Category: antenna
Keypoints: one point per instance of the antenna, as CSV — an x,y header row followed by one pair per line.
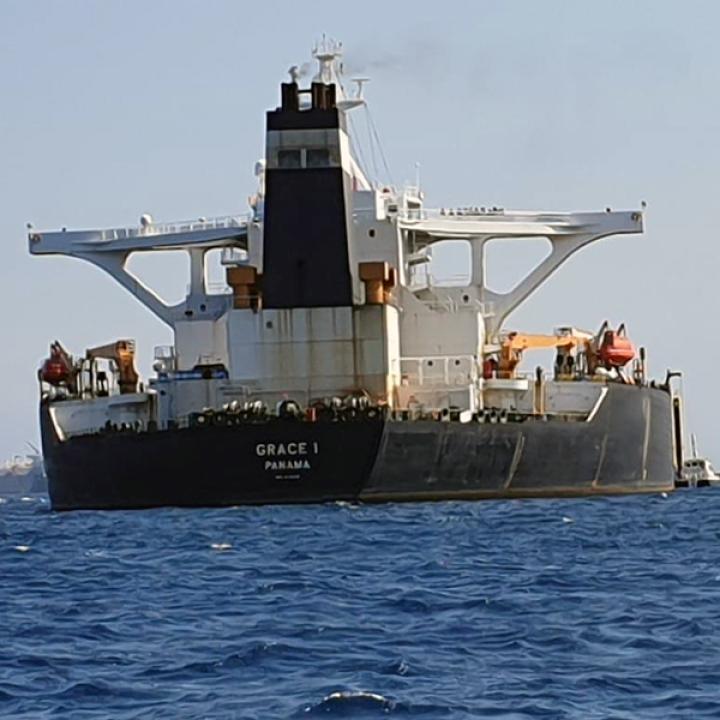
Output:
x,y
360,84
327,53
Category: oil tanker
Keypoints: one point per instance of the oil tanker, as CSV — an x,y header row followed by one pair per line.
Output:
x,y
332,365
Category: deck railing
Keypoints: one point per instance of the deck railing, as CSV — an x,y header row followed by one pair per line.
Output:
x,y
173,228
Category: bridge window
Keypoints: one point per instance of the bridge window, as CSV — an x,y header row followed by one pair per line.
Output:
x,y
289,159
317,157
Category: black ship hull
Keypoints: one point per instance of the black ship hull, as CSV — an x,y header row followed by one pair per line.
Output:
x,y
625,448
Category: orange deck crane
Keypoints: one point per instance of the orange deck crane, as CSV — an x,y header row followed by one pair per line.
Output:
x,y
515,344
122,353
609,349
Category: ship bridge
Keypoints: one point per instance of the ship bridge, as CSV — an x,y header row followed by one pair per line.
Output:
x,y
566,232
110,249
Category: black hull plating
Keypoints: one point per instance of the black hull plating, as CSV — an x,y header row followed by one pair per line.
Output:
x,y
626,448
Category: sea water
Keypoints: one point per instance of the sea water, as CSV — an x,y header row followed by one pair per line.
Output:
x,y
602,608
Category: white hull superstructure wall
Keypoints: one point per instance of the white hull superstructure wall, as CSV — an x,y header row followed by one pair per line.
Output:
x,y
200,342
87,416
439,327
307,354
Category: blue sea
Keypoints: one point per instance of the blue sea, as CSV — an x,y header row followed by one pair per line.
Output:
x,y
603,608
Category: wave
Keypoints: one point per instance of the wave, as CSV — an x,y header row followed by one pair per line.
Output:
x,y
450,610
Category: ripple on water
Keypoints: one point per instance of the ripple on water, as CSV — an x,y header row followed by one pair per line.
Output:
x,y
557,609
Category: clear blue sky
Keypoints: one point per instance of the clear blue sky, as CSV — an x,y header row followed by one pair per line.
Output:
x,y
114,108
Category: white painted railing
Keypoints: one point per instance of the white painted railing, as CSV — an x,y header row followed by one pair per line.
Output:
x,y
174,228
469,213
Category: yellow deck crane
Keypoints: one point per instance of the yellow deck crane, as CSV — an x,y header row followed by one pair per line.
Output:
x,y
514,344
578,352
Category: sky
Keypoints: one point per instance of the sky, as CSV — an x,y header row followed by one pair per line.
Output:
x,y
114,108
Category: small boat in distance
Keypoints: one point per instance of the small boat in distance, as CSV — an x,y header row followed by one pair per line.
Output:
x,y
698,471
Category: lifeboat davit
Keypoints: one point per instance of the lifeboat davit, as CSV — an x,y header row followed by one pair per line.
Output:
x,y
616,350
57,368
54,372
